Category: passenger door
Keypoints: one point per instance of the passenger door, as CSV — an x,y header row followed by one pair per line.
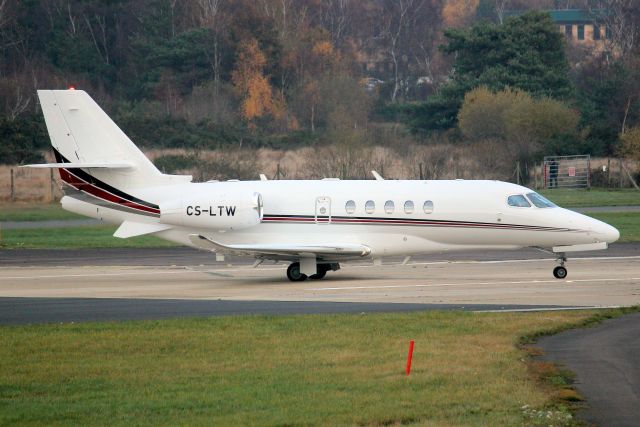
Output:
x,y
323,210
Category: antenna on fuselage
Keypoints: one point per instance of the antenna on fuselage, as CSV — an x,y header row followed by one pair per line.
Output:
x,y
263,177
377,176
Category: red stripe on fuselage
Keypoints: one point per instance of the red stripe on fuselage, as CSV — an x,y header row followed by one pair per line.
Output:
x,y
91,189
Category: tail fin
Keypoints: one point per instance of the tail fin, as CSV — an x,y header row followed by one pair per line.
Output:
x,y
82,133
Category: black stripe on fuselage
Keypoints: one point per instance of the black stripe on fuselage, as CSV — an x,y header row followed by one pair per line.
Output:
x,y
100,184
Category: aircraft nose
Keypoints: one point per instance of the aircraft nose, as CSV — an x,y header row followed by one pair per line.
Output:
x,y
608,233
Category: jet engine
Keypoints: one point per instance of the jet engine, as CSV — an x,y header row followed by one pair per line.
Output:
x,y
218,211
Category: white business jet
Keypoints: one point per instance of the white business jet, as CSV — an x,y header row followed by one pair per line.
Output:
x,y
314,225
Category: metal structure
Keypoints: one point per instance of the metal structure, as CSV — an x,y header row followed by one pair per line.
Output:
x,y
567,171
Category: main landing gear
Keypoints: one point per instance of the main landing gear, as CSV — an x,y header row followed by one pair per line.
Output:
x,y
295,275
560,272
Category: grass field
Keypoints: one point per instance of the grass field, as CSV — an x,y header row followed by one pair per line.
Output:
x,y
593,197
468,369
628,223
34,212
100,236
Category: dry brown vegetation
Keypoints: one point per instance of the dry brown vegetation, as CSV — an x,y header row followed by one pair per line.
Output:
x,y
481,160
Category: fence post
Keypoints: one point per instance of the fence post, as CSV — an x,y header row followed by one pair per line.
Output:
x,y
620,168
51,189
518,173
608,172
13,187
278,171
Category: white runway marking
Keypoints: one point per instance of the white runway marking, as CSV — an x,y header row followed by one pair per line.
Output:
x,y
436,285
570,307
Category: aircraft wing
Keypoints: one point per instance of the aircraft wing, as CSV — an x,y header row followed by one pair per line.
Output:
x,y
281,249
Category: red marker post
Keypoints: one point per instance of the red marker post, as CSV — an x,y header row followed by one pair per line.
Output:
x,y
409,357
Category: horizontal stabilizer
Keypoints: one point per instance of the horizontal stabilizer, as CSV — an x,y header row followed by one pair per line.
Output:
x,y
581,248
131,229
85,165
281,249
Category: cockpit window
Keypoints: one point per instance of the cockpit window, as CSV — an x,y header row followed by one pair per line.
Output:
x,y
539,201
519,201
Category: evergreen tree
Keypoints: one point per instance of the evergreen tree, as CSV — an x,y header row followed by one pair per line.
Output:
x,y
527,52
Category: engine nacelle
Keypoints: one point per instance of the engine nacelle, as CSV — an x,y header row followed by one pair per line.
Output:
x,y
212,210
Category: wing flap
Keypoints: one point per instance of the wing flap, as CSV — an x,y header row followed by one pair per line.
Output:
x,y
281,249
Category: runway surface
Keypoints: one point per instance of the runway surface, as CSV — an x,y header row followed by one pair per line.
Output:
x,y
496,279
606,363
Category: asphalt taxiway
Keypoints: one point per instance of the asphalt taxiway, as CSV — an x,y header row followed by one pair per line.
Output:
x,y
489,280
605,361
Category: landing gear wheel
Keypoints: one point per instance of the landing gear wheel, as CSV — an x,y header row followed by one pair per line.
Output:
x,y
294,274
559,272
322,271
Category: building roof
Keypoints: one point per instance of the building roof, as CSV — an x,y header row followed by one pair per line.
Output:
x,y
566,16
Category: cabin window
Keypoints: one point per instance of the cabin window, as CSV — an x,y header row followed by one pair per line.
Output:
x,y
370,206
350,207
389,206
580,32
539,201
518,201
427,207
408,207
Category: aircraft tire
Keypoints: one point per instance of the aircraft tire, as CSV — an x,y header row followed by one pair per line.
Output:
x,y
294,274
320,274
559,272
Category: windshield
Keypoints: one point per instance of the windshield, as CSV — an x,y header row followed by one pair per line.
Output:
x,y
518,200
539,201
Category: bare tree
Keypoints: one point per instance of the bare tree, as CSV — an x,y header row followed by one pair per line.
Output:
x,y
622,19
500,8
396,15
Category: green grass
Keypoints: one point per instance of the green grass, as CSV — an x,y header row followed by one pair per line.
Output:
x,y
468,369
628,223
100,236
593,197
35,212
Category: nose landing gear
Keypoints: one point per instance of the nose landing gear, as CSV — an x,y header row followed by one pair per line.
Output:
x,y
560,272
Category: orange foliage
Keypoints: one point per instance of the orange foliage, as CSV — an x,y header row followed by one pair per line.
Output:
x,y
457,13
252,85
324,48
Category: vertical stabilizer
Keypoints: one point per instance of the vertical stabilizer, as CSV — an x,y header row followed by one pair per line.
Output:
x,y
81,132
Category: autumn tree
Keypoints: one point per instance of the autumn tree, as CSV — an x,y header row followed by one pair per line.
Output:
x,y
630,144
252,85
527,126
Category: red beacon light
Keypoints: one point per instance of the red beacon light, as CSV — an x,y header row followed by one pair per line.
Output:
x,y
72,88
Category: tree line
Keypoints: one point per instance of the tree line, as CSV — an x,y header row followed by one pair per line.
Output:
x,y
206,74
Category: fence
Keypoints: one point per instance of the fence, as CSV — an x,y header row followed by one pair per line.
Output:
x,y
29,185
567,171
